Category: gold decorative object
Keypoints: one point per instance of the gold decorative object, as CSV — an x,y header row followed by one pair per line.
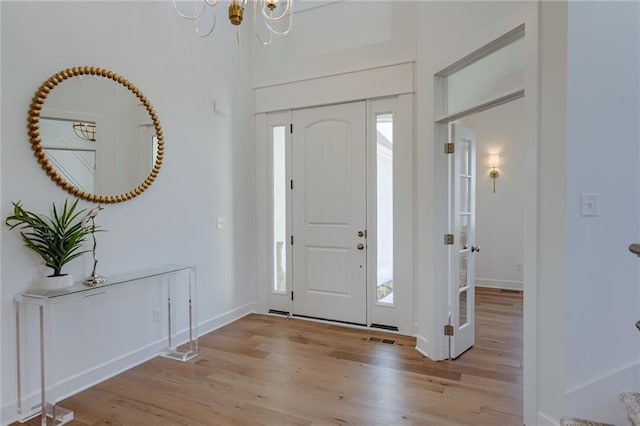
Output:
x,y
270,17
494,162
33,125
85,131
235,13
94,279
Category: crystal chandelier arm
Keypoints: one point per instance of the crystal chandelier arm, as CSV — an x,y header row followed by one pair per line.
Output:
x,y
213,24
263,41
266,41
265,14
196,16
277,32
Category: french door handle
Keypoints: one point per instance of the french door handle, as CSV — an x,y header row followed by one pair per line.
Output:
x,y
474,249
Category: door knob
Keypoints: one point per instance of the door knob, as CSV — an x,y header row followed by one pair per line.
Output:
x,y
360,233
474,249
360,246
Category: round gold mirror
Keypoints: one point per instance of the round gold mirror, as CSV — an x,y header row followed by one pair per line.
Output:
x,y
96,135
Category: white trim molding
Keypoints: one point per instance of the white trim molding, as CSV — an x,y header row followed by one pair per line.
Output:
x,y
423,346
333,89
545,419
501,284
597,399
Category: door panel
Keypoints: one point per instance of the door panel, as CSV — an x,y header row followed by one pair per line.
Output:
x,y
327,173
462,221
325,268
329,199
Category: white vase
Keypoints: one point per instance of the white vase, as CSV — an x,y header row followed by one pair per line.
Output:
x,y
56,282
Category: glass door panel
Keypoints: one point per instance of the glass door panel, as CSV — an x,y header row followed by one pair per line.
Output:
x,y
279,210
384,197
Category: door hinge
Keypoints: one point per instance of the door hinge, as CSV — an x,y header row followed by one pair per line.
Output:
x,y
292,240
291,183
448,329
449,148
448,239
291,128
292,295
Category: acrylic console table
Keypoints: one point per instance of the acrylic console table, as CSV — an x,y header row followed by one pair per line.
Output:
x,y
45,301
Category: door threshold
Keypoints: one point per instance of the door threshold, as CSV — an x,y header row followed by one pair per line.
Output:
x,y
355,324
379,327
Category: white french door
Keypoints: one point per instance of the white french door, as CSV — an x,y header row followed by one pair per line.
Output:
x,y
462,207
329,212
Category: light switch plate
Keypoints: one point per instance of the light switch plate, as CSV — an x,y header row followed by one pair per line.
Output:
x,y
589,204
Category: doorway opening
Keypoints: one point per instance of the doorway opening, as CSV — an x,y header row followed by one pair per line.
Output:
x,y
492,77
488,78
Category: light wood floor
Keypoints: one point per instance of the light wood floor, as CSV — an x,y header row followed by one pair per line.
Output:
x,y
266,370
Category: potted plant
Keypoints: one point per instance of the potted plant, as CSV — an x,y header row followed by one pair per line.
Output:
x,y
57,240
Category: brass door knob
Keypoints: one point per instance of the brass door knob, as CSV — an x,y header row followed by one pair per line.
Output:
x,y
360,246
474,249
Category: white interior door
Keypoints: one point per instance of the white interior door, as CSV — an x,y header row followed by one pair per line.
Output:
x,y
462,207
329,212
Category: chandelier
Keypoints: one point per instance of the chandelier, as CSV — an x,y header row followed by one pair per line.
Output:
x,y
85,131
270,17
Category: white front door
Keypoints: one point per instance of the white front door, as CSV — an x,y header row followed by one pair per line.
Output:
x,y
329,212
462,207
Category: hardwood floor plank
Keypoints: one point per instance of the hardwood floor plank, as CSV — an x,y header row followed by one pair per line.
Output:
x,y
398,365
269,370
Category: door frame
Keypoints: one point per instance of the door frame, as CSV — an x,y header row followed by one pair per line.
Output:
x,y
480,46
373,84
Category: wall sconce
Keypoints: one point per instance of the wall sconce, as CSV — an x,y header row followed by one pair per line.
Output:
x,y
494,162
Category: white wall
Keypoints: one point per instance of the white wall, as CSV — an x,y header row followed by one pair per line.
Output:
x,y
208,171
338,37
603,148
499,215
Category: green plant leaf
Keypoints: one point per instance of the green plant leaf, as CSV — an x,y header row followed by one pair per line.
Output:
x,y
56,239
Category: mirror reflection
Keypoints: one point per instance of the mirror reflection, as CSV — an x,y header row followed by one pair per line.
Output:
x,y
96,135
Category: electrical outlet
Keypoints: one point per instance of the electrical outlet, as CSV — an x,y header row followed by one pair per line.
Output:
x,y
220,223
156,314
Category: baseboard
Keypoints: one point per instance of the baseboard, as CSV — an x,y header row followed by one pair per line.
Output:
x,y
503,284
423,346
228,317
598,400
547,420
97,374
